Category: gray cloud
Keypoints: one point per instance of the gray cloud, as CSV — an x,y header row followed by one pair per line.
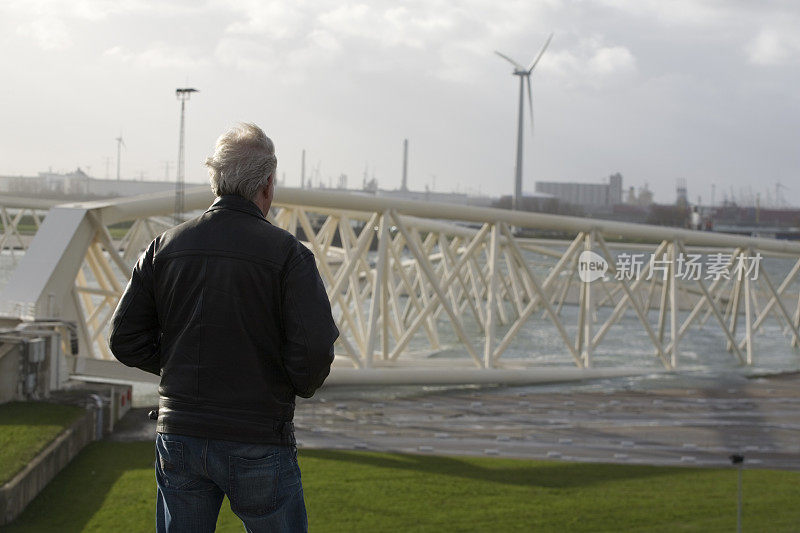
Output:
x,y
655,90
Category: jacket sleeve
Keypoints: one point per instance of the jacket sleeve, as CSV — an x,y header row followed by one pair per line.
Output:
x,y
308,325
135,330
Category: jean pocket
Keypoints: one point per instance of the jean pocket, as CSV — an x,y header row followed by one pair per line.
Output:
x,y
170,464
253,484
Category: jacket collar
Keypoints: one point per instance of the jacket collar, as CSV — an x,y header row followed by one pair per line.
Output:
x,y
237,203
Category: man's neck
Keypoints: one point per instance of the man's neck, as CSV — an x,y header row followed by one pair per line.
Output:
x,y
263,206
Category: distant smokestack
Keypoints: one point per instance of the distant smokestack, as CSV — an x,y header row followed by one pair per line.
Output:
x,y
303,170
404,186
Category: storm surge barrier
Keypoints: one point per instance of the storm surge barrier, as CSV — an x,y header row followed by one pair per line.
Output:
x,y
19,218
430,291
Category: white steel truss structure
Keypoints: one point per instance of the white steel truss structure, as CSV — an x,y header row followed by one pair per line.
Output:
x,y
15,212
443,287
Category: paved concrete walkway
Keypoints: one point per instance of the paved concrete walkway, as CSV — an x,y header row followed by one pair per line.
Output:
x,y
703,425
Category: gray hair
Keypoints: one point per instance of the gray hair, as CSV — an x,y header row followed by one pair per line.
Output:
x,y
243,161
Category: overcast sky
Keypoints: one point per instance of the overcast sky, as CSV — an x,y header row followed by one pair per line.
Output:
x,y
701,90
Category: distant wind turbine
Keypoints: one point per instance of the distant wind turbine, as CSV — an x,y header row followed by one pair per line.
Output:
x,y
524,77
120,144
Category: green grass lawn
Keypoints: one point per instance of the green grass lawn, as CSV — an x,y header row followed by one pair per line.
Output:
x,y
26,428
111,487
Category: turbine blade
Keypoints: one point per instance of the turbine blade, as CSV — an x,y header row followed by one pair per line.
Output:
x,y
541,53
516,65
530,100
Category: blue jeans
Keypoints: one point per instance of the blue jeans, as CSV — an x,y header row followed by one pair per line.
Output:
x,y
262,482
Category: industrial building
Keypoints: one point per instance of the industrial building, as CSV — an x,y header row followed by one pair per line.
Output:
x,y
593,197
78,184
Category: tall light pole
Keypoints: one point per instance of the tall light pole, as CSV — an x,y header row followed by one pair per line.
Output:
x,y
183,95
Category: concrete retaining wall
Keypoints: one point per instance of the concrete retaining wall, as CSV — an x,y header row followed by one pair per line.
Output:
x,y
26,485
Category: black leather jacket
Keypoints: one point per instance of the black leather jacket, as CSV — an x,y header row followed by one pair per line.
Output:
x,y
232,313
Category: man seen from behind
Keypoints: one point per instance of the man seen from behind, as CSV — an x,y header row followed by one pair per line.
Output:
x,y
231,312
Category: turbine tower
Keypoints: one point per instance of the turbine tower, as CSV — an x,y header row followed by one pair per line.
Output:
x,y
120,144
524,77
183,95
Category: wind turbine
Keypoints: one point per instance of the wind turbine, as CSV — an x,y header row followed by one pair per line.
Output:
x,y
524,77
120,144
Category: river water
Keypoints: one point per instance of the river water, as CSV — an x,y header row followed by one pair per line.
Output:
x,y
703,357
